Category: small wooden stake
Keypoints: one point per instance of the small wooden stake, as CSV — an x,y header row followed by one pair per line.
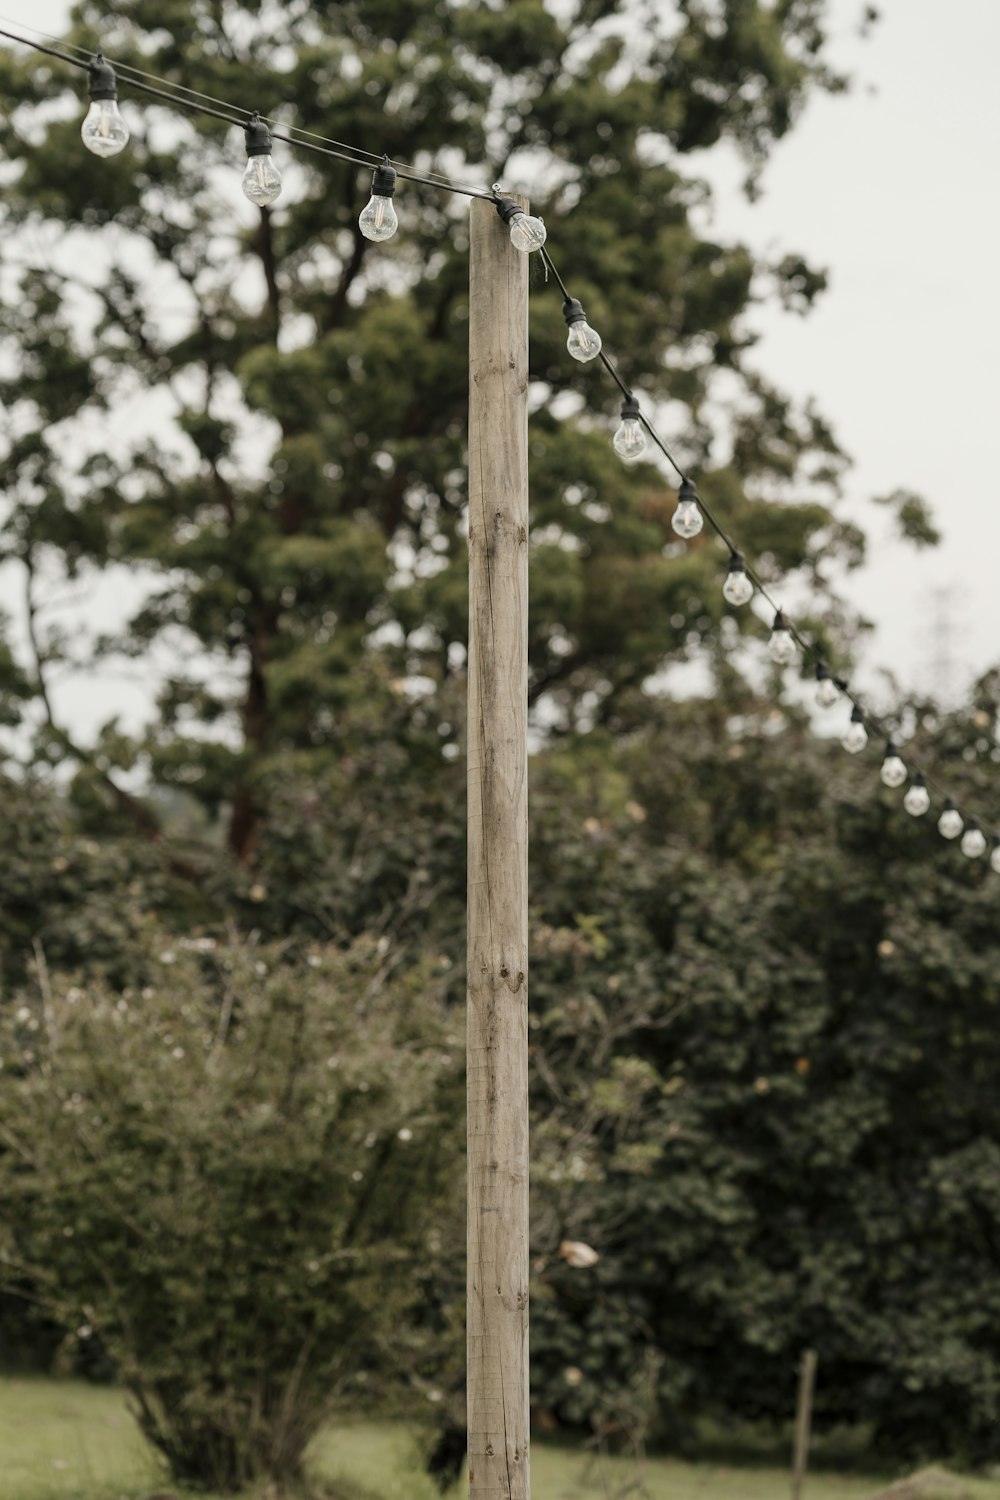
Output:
x,y
497,1045
803,1421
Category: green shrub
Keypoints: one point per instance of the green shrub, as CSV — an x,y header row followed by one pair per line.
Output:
x,y
233,1177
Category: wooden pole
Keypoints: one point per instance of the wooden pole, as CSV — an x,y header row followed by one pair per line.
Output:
x,y
497,1046
803,1421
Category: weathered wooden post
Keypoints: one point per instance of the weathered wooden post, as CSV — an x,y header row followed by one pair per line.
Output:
x,y
497,1046
803,1421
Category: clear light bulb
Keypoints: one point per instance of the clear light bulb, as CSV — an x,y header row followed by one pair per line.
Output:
x,y
104,131
261,179
995,855
526,232
378,219
781,646
856,737
737,588
827,691
893,770
687,519
629,442
583,342
973,840
918,798
950,821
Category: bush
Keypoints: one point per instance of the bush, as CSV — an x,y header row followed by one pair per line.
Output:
x,y
232,1178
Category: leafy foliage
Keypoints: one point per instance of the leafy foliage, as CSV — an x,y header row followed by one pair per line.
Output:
x,y
231,1177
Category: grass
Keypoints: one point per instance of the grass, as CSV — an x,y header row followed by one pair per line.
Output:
x,y
63,1440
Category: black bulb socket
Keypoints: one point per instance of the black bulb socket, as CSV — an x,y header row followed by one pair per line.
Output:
x,y
822,672
780,623
948,805
857,714
383,181
630,408
920,779
101,79
971,825
686,492
258,137
890,748
737,562
573,311
507,208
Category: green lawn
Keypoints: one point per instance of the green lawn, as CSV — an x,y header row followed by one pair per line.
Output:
x,y
62,1440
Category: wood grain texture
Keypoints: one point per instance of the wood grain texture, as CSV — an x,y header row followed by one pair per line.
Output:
x,y
497,1047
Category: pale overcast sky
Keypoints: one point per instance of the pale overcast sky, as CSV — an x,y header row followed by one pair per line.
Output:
x,y
893,189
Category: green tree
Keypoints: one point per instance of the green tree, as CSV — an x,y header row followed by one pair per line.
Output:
x,y
234,1178
294,493
763,1064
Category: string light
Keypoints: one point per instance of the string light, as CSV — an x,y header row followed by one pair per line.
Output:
x,y
583,342
526,232
973,840
856,737
687,519
950,821
893,770
781,646
737,588
104,131
261,180
629,442
918,798
378,220
827,691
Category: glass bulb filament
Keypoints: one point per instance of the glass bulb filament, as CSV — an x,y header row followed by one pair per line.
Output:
x,y
583,342
737,588
629,442
261,180
687,519
104,131
526,232
378,220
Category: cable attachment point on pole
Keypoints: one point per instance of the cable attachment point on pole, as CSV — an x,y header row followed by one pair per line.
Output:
x,y
526,232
